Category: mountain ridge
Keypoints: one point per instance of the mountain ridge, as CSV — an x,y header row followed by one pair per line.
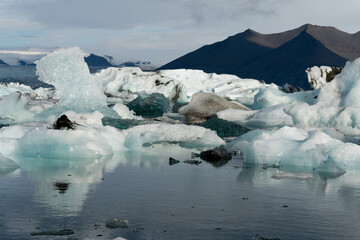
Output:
x,y
245,53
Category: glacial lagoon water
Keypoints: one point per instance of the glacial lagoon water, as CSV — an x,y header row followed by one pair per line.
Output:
x,y
180,201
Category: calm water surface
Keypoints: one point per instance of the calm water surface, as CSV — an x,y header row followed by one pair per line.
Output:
x,y
181,201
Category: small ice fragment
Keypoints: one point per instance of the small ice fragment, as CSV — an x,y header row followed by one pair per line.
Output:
x,y
298,176
116,223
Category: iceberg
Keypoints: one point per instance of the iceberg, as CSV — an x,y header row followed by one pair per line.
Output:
x,y
335,105
292,146
8,88
76,89
153,105
58,144
205,105
14,109
193,136
124,112
179,85
318,76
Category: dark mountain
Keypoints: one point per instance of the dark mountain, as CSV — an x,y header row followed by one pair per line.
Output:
x,y
2,62
279,58
287,63
97,61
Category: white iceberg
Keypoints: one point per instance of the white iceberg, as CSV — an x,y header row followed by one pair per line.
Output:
x,y
14,109
77,89
8,88
318,150
174,133
179,85
124,112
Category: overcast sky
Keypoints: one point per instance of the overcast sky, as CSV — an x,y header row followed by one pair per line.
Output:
x,y
158,30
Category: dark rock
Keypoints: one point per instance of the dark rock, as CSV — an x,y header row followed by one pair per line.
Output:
x,y
155,105
63,122
215,155
116,223
334,71
173,161
62,232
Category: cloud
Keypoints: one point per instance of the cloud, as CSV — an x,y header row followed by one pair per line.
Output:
x,y
107,14
158,30
114,14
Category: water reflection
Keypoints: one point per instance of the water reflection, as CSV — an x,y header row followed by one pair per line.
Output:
x,y
256,175
4,172
149,192
64,185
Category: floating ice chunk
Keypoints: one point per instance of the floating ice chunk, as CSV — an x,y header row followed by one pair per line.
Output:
x,y
14,109
115,138
180,84
288,175
135,80
319,76
296,147
116,223
44,93
8,88
82,143
38,106
267,97
178,133
205,105
153,105
264,118
9,139
124,112
77,89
